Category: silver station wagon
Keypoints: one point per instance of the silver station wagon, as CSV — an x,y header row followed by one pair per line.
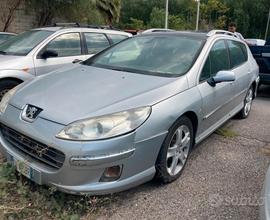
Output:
x,y
129,114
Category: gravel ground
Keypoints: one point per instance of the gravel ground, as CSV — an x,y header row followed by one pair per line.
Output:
x,y
222,180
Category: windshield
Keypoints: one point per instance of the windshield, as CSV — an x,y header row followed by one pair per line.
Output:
x,y
4,37
165,55
23,43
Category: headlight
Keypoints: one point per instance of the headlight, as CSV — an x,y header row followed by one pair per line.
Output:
x,y
106,126
6,98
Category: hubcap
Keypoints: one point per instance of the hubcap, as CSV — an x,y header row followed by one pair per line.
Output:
x,y
178,150
248,102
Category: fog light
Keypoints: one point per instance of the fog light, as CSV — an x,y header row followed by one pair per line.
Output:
x,y
111,174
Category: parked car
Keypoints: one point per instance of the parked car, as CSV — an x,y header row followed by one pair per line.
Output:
x,y
265,207
4,36
262,56
255,42
42,50
128,114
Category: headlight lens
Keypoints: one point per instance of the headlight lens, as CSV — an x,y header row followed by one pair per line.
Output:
x,y
106,126
6,98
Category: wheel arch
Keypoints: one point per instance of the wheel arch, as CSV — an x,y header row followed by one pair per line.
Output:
x,y
12,79
254,85
194,120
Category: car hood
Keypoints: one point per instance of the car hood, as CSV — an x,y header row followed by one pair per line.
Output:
x,y
83,91
8,62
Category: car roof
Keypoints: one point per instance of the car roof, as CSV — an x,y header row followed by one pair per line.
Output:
x,y
84,29
194,34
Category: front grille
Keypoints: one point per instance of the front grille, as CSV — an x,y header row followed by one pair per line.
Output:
x,y
36,150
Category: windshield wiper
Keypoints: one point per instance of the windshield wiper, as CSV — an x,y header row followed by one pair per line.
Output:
x,y
2,52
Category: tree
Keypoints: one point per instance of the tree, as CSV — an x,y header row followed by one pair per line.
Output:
x,y
110,9
8,14
47,9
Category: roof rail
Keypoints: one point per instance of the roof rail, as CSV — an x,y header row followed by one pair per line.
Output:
x,y
76,24
213,32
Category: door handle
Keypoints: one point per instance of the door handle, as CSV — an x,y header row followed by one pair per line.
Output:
x,y
76,61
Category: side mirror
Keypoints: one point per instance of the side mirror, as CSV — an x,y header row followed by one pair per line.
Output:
x,y
48,53
221,76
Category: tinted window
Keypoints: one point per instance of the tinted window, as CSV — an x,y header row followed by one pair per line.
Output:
x,y
238,53
116,38
96,42
217,60
156,55
66,45
23,43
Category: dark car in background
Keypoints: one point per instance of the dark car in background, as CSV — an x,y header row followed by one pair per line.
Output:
x,y
262,56
5,36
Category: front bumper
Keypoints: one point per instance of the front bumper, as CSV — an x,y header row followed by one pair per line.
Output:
x,y
85,162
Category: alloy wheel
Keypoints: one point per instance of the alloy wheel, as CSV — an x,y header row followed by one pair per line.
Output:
x,y
178,150
248,102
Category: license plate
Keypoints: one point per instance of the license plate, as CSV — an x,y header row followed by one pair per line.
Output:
x,y
24,169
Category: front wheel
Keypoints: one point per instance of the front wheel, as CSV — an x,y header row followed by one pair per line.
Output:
x,y
6,85
175,151
244,113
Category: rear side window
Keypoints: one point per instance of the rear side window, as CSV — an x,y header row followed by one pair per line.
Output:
x,y
96,42
238,53
66,45
115,38
217,60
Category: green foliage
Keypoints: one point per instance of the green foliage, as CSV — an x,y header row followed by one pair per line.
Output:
x,y
110,9
157,18
226,132
250,16
136,24
21,199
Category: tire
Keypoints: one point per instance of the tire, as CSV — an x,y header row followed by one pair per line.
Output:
x,y
172,157
244,113
6,85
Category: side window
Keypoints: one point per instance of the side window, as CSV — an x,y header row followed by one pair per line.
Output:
x,y
218,59
96,42
206,71
238,53
115,38
66,45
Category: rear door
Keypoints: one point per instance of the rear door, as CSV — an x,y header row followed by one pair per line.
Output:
x,y
241,68
217,101
95,42
68,48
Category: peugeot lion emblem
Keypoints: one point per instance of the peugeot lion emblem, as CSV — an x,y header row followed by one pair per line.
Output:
x,y
30,113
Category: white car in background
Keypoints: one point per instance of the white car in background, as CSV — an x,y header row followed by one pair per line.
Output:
x,y
255,42
42,50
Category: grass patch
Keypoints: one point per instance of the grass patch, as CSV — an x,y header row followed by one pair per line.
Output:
x,y
22,199
226,132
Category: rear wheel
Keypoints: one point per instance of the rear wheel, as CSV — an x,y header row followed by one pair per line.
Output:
x,y
244,113
6,85
175,151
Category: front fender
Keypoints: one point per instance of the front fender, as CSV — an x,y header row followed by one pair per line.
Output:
x,y
16,74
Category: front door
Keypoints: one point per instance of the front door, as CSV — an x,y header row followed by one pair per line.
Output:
x,y
68,49
217,101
